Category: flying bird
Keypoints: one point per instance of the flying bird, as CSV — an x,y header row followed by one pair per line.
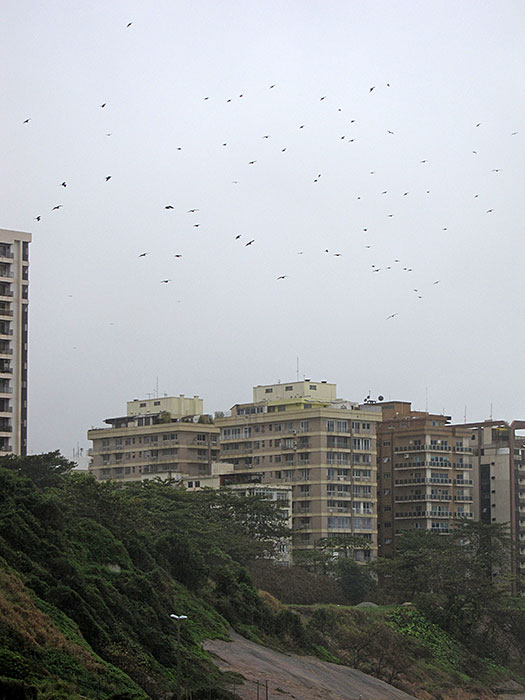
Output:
x,y
422,161
390,132
252,162
165,281
237,237
272,86
103,105
479,124
192,211
514,133
283,150
496,170
196,225
168,206
302,126
489,210
37,218
58,206
282,277
391,316
250,242
26,121
143,255
267,136
108,178
322,98
128,25
63,184
372,88
177,255
337,255
436,282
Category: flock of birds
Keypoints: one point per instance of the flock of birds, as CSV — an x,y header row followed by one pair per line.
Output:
x,y
239,237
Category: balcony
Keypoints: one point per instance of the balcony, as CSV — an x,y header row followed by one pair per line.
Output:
x,y
463,482
424,514
422,480
423,497
462,499
420,465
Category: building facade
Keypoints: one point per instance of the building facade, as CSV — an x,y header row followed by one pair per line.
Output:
x,y
499,457
300,434
14,299
424,473
154,442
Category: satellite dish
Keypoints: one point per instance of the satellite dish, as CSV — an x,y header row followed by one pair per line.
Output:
x,y
380,398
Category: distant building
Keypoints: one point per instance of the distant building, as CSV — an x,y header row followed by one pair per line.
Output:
x,y
300,434
160,439
424,472
499,457
14,299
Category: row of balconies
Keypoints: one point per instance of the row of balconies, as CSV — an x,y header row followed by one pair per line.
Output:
x,y
438,465
433,497
433,514
432,480
434,448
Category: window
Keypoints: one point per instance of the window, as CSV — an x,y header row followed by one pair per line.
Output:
x,y
197,484
281,408
143,405
156,403
342,426
313,387
268,391
330,426
303,426
288,388
386,443
190,484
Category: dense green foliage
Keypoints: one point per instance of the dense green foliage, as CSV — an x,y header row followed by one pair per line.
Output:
x,y
90,572
101,567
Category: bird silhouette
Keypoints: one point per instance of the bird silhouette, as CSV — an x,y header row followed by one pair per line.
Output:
x,y
372,88
37,218
192,211
391,316
58,206
271,87
436,282
322,98
103,105
143,255
489,210
165,281
128,25
168,206
282,277
496,170
26,121
252,162
63,184
250,242
196,225
108,178
267,136
177,255
238,236
390,132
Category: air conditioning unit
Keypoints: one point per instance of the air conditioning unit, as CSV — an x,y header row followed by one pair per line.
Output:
x,y
340,478
330,510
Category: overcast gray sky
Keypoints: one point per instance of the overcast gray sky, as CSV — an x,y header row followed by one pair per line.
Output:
x,y
102,325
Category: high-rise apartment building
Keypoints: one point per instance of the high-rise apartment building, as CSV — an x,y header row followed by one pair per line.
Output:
x,y
424,472
155,437
499,457
300,434
14,299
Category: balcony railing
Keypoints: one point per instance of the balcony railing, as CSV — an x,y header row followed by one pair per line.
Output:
x,y
422,480
423,497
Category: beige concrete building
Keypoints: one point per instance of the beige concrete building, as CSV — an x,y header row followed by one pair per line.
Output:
x,y
499,458
325,448
14,299
137,446
424,472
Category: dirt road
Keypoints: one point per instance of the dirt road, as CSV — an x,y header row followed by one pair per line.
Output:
x,y
295,677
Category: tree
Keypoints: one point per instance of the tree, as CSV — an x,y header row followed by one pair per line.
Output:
x,y
44,470
355,580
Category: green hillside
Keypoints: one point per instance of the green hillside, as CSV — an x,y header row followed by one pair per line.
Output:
x,y
90,573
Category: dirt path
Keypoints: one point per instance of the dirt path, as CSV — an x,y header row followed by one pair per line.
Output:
x,y
295,677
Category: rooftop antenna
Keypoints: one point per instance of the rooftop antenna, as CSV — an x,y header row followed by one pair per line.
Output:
x,y
426,399
491,410
465,414
297,368
157,388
